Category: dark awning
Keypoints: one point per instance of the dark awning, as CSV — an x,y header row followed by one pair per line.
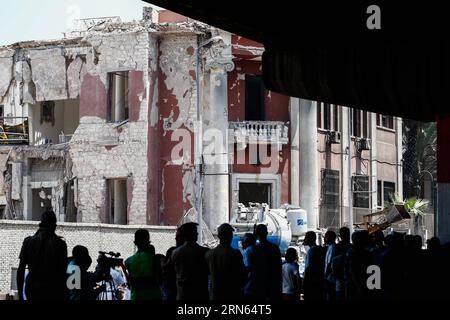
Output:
x,y
322,50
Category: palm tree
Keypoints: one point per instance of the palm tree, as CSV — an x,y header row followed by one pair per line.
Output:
x,y
419,155
417,208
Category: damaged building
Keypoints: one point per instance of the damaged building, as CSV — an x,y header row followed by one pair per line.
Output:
x,y
90,124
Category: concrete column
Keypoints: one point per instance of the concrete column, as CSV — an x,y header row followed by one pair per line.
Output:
x,y
373,162
120,201
27,192
442,221
399,144
308,164
295,150
119,97
345,179
28,112
215,151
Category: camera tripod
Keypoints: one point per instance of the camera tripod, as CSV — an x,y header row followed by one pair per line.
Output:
x,y
109,291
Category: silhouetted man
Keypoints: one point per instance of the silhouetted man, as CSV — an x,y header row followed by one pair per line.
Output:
x,y
226,267
264,266
358,259
81,259
338,262
330,253
168,270
190,266
313,284
45,254
144,269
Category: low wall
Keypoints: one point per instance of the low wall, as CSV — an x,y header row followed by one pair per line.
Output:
x,y
96,237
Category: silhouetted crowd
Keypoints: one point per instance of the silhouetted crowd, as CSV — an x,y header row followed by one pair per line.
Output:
x,y
348,267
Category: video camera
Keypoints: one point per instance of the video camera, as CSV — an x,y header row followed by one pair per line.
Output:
x,y
108,260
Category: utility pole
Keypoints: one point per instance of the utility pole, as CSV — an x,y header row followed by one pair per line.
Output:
x,y
349,159
198,151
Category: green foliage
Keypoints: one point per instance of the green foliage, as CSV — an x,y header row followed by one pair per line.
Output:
x,y
414,206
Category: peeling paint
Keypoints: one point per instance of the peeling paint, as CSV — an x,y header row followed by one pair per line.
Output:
x,y
175,64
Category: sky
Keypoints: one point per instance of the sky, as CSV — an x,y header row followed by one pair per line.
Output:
x,y
23,20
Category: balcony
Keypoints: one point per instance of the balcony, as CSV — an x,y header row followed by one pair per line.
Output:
x,y
14,130
259,132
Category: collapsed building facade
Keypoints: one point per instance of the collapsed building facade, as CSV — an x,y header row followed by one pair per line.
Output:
x,y
92,126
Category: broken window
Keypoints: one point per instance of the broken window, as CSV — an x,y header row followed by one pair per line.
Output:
x,y
48,112
118,96
254,192
41,202
254,98
116,201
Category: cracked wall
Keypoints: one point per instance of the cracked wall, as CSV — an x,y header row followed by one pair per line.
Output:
x,y
162,99
177,112
101,150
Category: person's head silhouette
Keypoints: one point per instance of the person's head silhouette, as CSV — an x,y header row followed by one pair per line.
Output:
x,y
261,232
189,232
142,238
80,255
48,221
225,234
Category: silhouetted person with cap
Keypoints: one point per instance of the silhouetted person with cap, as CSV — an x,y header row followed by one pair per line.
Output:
x,y
226,267
45,254
264,266
313,281
190,266
143,269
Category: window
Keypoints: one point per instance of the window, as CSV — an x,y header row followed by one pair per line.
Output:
x,y
329,208
254,98
388,189
384,190
118,96
379,194
48,112
359,123
116,201
256,188
361,193
385,121
327,116
254,192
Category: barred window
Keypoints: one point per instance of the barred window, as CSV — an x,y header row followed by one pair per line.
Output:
x,y
361,194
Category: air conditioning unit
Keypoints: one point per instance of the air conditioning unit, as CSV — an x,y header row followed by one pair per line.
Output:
x,y
333,137
363,144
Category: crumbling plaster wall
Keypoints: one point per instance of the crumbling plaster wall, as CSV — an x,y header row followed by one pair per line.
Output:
x,y
99,149
177,115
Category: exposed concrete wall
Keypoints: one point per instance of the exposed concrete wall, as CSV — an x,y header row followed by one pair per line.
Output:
x,y
101,151
6,72
96,237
